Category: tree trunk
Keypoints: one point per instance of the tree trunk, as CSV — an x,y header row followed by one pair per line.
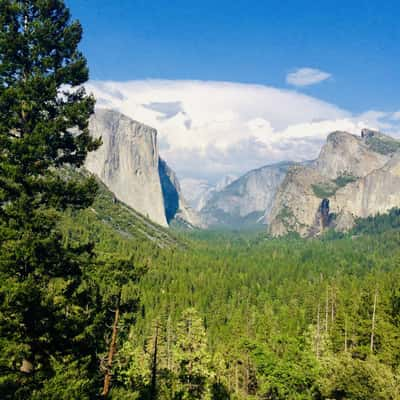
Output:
x,y
169,340
373,321
326,309
153,390
111,352
318,333
236,378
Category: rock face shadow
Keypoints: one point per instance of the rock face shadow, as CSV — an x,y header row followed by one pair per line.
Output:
x,y
169,191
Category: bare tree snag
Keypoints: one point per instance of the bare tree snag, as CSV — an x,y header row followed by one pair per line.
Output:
x,y
318,338
111,352
153,389
326,309
373,321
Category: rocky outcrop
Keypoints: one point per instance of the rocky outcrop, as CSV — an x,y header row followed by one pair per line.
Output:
x,y
295,205
354,176
247,200
128,164
346,154
377,192
176,207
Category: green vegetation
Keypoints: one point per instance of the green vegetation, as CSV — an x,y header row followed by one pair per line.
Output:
x,y
108,220
229,221
289,220
98,302
325,190
383,144
285,318
378,224
344,179
286,216
57,296
279,315
241,316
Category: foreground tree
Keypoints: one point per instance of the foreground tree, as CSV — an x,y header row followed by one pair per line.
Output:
x,y
116,279
43,126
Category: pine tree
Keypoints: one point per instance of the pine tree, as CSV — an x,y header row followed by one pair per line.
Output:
x,y
44,115
117,278
192,358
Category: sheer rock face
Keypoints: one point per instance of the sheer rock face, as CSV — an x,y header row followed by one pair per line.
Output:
x,y
358,175
176,207
246,200
377,192
128,164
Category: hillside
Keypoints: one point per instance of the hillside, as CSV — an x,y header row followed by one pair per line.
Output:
x,y
112,225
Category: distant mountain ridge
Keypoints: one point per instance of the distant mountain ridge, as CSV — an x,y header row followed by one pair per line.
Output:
x,y
199,191
353,177
247,200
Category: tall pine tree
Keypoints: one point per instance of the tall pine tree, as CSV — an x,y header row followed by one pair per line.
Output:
x,y
44,115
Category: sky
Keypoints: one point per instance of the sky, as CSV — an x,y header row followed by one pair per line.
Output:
x,y
233,85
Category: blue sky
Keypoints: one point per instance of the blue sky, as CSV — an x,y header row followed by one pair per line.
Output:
x,y
250,41
297,70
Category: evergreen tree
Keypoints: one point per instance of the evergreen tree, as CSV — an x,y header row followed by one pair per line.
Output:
x,y
192,358
116,278
44,115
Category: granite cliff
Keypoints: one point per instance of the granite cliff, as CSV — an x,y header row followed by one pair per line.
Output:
x,y
128,163
353,177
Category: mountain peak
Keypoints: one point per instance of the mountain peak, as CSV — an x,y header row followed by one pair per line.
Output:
x,y
358,175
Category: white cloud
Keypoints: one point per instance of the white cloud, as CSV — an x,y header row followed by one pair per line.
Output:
x,y
396,116
210,129
306,77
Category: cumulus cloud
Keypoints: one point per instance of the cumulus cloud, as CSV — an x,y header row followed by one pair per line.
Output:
x,y
210,129
306,77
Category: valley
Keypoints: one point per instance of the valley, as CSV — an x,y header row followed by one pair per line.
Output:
x,y
270,317
195,219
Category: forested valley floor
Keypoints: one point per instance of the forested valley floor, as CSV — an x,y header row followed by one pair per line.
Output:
x,y
244,316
